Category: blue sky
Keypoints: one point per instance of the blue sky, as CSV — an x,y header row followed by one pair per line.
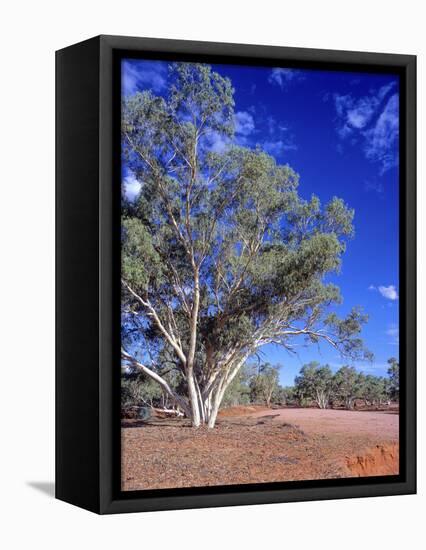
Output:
x,y
340,132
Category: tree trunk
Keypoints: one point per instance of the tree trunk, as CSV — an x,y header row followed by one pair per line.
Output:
x,y
204,409
203,412
223,384
322,400
193,400
197,406
213,412
349,403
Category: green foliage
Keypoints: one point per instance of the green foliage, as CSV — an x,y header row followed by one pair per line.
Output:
x,y
202,98
373,389
255,384
347,385
141,264
264,384
315,383
238,392
347,331
393,373
137,391
286,396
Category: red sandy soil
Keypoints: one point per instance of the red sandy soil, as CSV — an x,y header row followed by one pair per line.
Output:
x,y
325,421
241,410
381,460
255,446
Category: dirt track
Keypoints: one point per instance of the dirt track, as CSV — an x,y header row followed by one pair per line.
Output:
x,y
255,446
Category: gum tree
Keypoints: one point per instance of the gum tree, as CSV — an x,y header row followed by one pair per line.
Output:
x,y
220,254
374,389
315,382
348,384
264,383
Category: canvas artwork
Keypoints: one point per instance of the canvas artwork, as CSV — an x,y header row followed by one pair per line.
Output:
x,y
259,274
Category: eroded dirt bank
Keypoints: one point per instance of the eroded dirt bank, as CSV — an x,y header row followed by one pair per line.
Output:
x,y
380,460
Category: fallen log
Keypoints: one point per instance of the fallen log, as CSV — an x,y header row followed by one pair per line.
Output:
x,y
167,412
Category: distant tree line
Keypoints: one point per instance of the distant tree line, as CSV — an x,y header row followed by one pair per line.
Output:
x,y
315,386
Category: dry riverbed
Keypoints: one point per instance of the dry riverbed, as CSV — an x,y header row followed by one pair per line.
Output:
x,y
252,445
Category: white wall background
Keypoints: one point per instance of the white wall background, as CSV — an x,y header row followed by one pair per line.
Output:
x,y
30,33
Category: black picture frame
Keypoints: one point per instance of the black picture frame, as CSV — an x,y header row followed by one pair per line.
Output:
x,y
88,272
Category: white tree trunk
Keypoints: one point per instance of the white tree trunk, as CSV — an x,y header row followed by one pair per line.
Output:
x,y
223,384
322,399
205,411
193,400
216,400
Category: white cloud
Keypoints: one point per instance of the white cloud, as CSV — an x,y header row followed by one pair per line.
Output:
x,y
215,142
381,141
279,146
132,187
275,127
280,138
281,77
388,292
373,121
138,74
244,123
244,128
356,113
393,331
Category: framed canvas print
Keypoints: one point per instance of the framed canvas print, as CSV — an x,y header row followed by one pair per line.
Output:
x,y
235,274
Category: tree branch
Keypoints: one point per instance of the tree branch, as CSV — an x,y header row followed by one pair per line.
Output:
x,y
157,378
152,313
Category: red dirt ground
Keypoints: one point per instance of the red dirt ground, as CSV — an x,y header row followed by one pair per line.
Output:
x,y
255,446
320,421
241,410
